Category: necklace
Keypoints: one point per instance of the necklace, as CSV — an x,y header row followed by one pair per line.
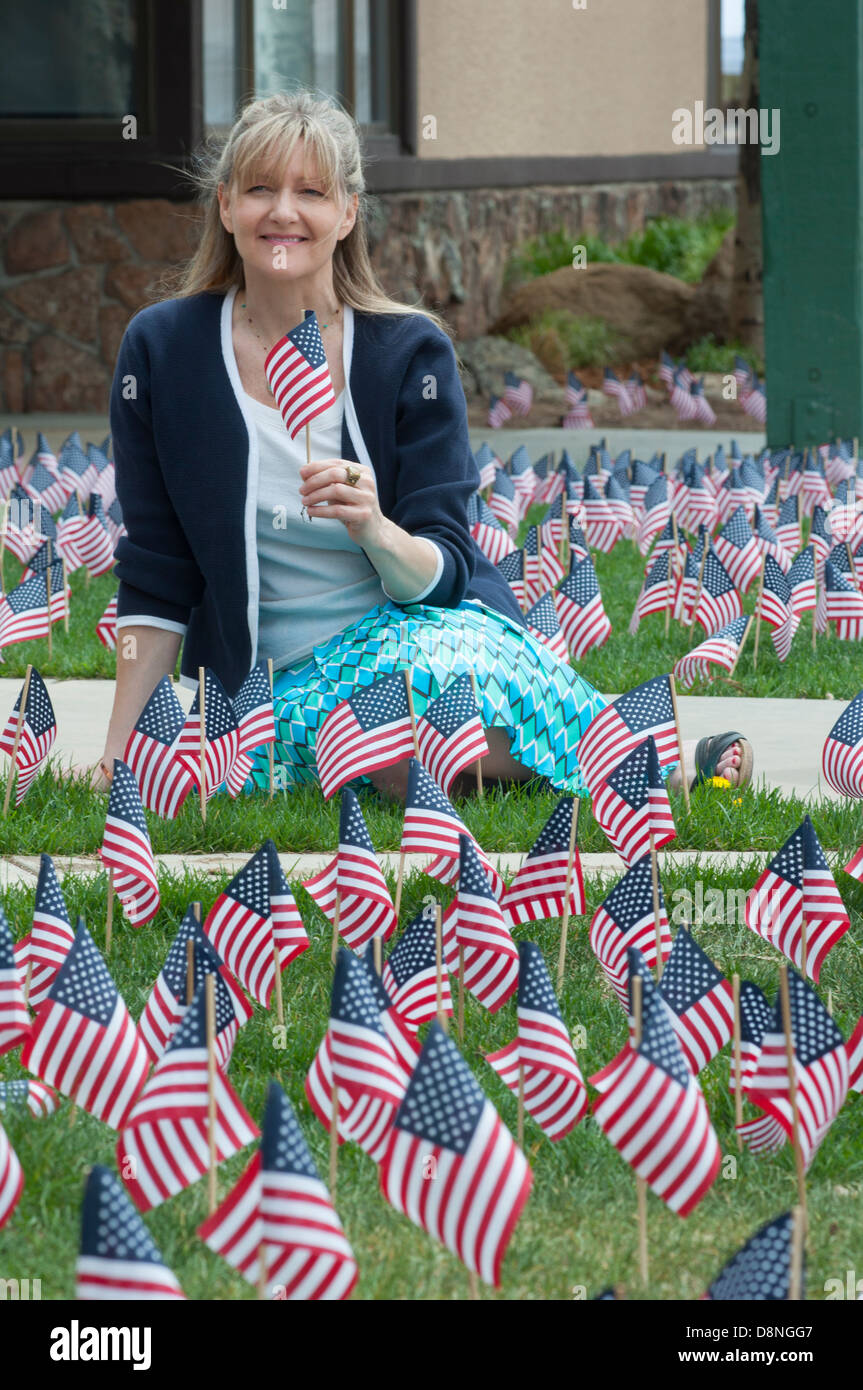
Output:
x,y
251,323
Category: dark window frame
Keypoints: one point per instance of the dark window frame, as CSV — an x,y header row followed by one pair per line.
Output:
x,y
41,157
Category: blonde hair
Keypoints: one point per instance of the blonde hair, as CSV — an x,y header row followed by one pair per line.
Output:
x,y
263,138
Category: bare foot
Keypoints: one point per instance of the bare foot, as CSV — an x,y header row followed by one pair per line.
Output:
x,y
727,766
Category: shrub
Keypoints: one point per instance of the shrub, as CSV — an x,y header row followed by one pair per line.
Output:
x,y
560,339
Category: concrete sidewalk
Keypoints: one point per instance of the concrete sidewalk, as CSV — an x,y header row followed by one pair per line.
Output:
x,y
787,735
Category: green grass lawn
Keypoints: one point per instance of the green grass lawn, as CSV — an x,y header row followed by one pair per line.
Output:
x,y
578,1228
65,817
623,662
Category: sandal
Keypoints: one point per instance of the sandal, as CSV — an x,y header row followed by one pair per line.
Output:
x,y
709,750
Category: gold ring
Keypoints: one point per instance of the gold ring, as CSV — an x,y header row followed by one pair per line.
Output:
x,y
352,474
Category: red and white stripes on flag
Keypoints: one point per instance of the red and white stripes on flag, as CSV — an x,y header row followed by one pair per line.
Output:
x,y
796,900
352,884
626,918
632,804
720,650
126,850
11,1178
473,924
539,888
369,731
106,628
446,1125
299,376
540,1061
164,1142
14,1016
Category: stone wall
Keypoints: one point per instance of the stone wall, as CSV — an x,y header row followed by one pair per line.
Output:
x,y
72,274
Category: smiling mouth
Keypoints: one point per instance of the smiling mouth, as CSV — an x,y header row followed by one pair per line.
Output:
x,y
284,240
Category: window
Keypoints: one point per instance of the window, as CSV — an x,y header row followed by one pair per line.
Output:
x,y
732,29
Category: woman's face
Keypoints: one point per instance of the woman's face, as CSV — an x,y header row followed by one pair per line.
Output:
x,y
289,230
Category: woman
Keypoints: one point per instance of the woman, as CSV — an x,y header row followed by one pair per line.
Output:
x,y
340,569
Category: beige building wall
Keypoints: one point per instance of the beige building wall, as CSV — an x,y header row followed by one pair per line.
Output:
x,y
539,77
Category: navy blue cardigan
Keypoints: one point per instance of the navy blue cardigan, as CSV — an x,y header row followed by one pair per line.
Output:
x,y
182,450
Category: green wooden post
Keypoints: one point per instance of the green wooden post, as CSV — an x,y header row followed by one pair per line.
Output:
x,y
811,61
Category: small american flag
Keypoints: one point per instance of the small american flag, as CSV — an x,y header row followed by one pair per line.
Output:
x,y
222,736
761,1269
433,826
357,1058
369,731
633,803
14,1016
614,387
93,542
699,999
410,974
787,527
854,1048
653,1111
719,650
498,413
45,487
253,706
280,1204
163,781
47,944
69,526
843,605
353,881
538,890
820,1064
106,628
487,463
583,619
24,612
602,526
739,550
776,608
402,1038
754,401
517,393
842,759
450,732
490,536
625,918
84,1042
502,501
704,411
39,1099
681,396
163,1144
821,536
167,1003
755,1017
542,568
719,602
617,497
797,887
483,1178
657,592
118,1258
553,1086
543,623
240,928
299,376
473,923
621,726
290,935
656,514
11,1178
126,850
77,471
768,542
38,732
511,568
801,581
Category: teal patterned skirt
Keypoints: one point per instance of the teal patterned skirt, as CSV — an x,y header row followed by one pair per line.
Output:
x,y
543,703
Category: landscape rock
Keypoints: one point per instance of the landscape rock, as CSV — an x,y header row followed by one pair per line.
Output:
x,y
487,359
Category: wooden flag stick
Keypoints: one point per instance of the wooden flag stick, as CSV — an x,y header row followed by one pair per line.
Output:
x,y
564,924
815,609
798,1242
203,721
22,710
698,589
803,950
337,912
473,1285
280,1002
271,747
829,1001
520,1130
657,919
442,1018
109,919
640,1183
29,976
409,694
683,777
758,607
334,1140
746,631
65,596
668,596
5,508
378,953
210,986
479,787
400,882
738,1061
792,1087
461,994
48,601
196,908
263,1279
